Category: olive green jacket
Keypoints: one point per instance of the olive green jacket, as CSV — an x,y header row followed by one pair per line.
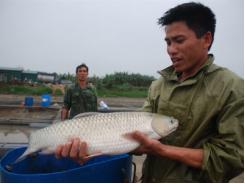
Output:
x,y
209,107
79,100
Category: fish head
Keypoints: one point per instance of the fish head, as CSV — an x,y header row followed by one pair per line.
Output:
x,y
164,125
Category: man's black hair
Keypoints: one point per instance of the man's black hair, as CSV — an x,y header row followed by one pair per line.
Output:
x,y
81,66
198,18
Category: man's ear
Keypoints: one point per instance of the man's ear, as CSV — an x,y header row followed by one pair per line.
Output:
x,y
207,39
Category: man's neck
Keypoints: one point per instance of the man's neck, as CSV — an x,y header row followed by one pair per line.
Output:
x,y
192,72
82,84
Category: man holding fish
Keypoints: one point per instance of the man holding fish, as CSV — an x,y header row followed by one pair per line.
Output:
x,y
206,99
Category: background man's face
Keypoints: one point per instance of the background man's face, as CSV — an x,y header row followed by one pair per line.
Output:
x,y
82,74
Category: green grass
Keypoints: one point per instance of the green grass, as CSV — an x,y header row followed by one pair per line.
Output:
x,y
25,90
132,93
58,92
118,91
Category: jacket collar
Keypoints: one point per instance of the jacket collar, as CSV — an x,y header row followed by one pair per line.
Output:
x,y
170,74
77,85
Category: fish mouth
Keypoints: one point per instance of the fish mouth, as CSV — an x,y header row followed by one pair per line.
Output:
x,y
171,130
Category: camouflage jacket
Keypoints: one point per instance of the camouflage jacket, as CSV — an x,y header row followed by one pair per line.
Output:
x,y
79,100
209,107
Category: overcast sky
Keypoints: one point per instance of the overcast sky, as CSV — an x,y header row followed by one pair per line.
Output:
x,y
108,35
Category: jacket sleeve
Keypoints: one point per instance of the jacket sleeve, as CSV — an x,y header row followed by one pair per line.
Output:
x,y
68,99
147,107
223,153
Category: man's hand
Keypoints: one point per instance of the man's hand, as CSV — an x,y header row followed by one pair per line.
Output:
x,y
147,145
190,156
64,113
75,149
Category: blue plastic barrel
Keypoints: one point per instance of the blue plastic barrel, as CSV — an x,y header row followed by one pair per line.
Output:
x,y
46,168
46,100
28,101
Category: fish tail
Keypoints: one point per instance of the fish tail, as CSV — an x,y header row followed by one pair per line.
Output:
x,y
9,167
23,156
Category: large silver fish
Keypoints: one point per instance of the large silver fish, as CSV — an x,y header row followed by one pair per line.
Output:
x,y
103,132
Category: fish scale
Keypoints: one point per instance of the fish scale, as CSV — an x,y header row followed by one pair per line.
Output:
x,y
103,132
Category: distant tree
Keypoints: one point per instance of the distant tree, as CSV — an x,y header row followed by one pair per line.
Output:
x,y
95,80
119,78
116,80
67,76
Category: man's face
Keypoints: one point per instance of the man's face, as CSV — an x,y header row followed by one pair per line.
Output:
x,y
186,51
82,74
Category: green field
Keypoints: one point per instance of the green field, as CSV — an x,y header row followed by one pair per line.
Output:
x,y
131,93
24,89
123,91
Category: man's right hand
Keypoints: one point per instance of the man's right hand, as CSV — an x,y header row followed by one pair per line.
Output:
x,y
64,114
147,145
75,149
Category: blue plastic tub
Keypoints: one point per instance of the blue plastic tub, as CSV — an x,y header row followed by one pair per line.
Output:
x,y
46,168
28,101
46,100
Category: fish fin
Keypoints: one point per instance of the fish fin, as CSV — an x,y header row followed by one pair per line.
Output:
x,y
95,155
82,115
26,133
47,151
9,167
